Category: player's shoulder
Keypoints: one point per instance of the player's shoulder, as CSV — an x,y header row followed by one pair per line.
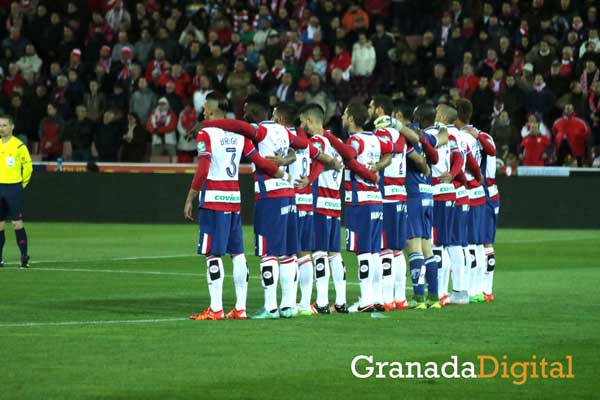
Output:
x,y
18,143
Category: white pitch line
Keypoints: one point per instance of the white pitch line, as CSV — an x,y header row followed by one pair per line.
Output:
x,y
66,323
120,271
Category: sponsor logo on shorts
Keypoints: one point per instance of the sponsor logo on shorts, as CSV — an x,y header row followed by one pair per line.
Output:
x,y
214,269
227,198
364,268
320,267
267,275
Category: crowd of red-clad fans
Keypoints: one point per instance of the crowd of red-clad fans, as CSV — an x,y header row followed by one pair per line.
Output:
x,y
126,80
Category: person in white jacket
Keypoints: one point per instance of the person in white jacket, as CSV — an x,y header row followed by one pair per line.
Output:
x,y
363,57
30,61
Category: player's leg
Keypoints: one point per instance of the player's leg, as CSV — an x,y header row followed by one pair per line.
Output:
x,y
14,201
399,262
389,239
416,261
2,240
358,233
212,243
431,274
270,243
240,268
375,234
305,278
337,266
322,274
457,255
491,219
440,238
288,269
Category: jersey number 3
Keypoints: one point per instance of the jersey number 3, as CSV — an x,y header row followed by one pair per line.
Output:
x,y
232,169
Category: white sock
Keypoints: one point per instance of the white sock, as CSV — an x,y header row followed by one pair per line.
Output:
x,y
214,276
305,276
322,273
467,270
481,267
338,271
387,261
457,262
488,277
240,280
439,258
287,272
365,277
473,270
446,270
377,289
269,271
399,264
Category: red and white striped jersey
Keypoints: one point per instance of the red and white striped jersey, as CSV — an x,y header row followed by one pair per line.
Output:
x,y
368,147
475,190
392,183
301,167
462,196
272,138
444,191
221,190
488,169
328,200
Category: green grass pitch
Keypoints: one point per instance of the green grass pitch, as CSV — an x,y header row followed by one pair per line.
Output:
x,y
102,315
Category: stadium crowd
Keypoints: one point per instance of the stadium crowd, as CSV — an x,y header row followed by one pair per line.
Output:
x,y
126,80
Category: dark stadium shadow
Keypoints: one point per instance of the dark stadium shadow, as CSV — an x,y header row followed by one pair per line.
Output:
x,y
130,306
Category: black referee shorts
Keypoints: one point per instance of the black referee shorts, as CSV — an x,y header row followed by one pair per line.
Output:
x,y
11,201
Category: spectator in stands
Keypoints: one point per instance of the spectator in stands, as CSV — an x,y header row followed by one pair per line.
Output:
x,y
22,118
355,18
483,97
570,135
108,137
363,57
590,75
540,100
535,120
79,133
186,127
143,101
534,148
467,83
133,148
51,134
162,125
502,134
285,90
30,62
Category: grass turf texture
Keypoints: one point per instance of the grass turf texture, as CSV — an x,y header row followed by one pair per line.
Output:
x,y
547,303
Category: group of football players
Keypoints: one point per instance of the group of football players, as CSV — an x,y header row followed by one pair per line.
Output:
x,y
425,189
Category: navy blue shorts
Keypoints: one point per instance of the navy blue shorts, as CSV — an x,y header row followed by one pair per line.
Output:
x,y
442,222
363,228
275,227
327,233
474,224
490,220
220,232
395,221
420,216
458,233
306,231
11,201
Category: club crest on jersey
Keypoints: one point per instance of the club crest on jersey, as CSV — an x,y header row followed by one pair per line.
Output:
x,y
355,145
318,145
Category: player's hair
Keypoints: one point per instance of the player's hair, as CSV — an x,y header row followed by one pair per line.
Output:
x,y
314,111
464,109
424,115
359,112
8,117
449,112
256,109
385,102
218,100
287,113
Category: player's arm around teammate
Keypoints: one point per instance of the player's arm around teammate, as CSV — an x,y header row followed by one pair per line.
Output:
x,y
15,173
